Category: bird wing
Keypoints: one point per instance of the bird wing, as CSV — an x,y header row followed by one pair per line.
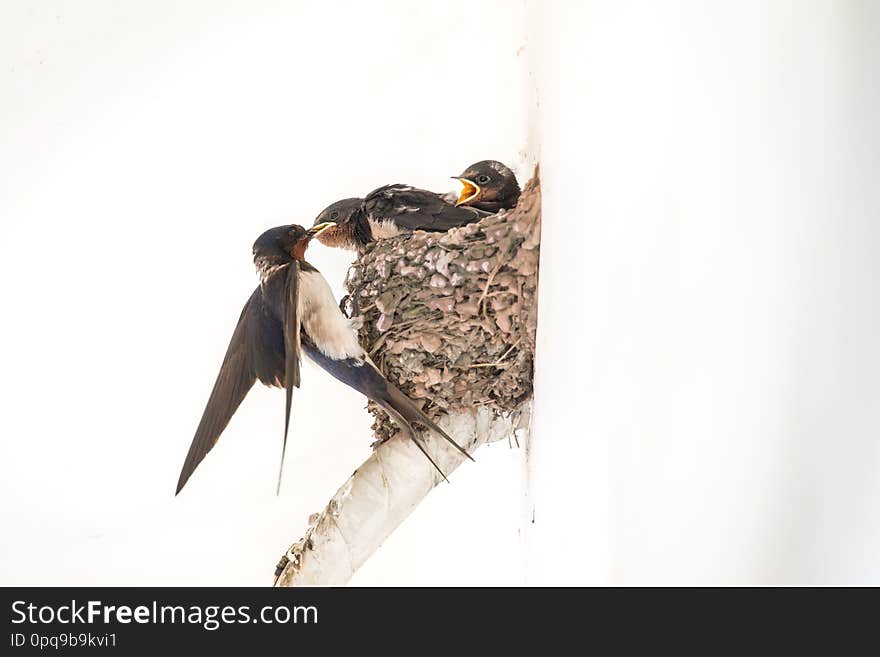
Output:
x,y
417,209
256,351
291,349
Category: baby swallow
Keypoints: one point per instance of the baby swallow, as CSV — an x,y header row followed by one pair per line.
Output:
x,y
489,186
389,211
293,310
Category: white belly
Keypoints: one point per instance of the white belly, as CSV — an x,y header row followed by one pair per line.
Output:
x,y
382,230
322,320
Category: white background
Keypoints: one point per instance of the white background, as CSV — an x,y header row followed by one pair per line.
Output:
x,y
707,388
144,147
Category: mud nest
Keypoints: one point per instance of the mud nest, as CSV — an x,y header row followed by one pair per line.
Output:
x,y
450,317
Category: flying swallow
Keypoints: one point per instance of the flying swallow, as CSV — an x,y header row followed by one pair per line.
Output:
x,y
489,186
291,311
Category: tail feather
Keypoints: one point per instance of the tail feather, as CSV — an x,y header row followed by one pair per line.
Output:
x,y
365,377
409,412
408,428
418,444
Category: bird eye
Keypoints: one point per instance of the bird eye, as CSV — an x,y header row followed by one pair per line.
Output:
x,y
483,179
334,215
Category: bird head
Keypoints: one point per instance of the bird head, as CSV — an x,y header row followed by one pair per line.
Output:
x,y
351,227
488,185
280,245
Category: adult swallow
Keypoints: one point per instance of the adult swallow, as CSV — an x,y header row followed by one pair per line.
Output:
x,y
291,311
489,186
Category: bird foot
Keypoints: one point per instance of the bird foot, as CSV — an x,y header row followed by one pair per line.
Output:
x,y
343,305
350,306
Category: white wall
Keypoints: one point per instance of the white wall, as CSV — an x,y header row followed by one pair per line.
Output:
x,y
143,148
708,398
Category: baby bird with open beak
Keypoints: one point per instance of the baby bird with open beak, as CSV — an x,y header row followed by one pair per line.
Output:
x,y
391,210
489,186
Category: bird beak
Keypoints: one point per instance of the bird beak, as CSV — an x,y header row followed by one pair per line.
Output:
x,y
316,230
469,190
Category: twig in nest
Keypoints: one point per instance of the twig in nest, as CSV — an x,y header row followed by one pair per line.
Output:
x,y
489,280
500,360
378,343
395,328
